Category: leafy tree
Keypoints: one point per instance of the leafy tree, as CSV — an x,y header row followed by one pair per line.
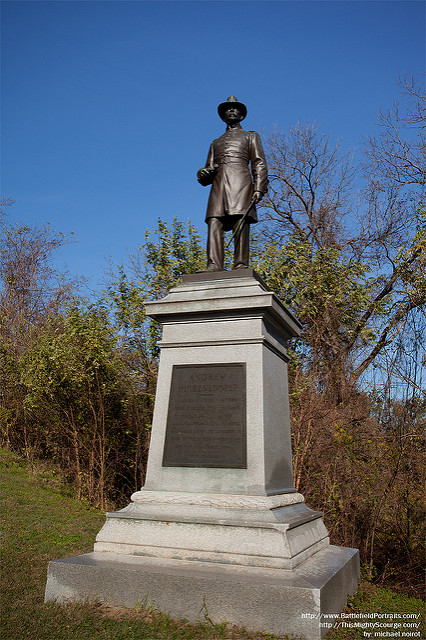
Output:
x,y
177,251
79,391
157,268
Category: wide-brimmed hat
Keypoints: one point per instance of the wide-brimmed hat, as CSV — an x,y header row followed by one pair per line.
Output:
x,y
231,102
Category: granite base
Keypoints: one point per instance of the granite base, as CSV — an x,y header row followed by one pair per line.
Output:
x,y
302,602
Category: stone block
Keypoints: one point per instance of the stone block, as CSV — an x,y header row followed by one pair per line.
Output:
x,y
275,600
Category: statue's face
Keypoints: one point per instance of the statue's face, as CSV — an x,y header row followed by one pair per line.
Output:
x,y
232,115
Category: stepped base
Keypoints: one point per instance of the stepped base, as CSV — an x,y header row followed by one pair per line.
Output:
x,y
278,532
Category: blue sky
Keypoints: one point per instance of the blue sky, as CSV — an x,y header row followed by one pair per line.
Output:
x,y
108,107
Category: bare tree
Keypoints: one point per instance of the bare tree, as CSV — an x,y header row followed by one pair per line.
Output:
x,y
397,154
310,179
373,236
32,289
32,292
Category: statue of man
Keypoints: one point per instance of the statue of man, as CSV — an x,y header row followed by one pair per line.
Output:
x,y
236,169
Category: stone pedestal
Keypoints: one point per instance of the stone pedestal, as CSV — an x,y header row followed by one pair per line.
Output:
x,y
218,525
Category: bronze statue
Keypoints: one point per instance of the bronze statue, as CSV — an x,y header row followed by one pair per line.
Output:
x,y
235,190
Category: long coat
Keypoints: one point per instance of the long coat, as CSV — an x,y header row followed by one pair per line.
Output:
x,y
233,184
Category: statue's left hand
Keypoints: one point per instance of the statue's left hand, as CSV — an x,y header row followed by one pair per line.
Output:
x,y
257,196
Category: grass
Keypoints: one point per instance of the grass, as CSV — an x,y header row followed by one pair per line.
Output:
x,y
41,521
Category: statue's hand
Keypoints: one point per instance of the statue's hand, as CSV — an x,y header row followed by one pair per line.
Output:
x,y
257,196
202,173
205,176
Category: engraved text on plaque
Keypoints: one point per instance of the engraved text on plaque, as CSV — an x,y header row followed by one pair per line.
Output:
x,y
206,422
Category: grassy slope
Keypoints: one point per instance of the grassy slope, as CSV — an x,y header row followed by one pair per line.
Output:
x,y
41,522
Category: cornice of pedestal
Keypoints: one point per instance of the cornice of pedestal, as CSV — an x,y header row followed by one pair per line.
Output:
x,y
234,295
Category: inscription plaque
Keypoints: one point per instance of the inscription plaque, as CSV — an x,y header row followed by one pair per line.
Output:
x,y
206,421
